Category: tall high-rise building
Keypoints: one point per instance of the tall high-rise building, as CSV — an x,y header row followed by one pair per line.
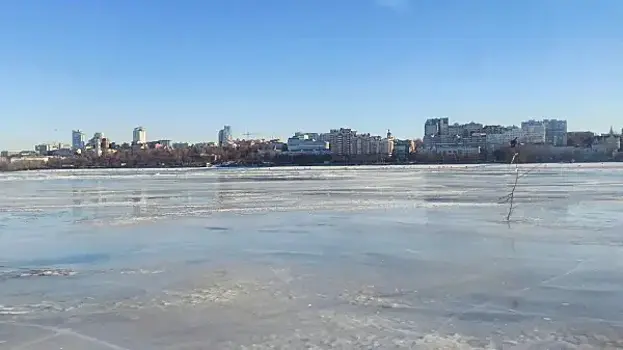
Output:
x,y
139,136
436,127
548,131
555,132
77,140
534,131
341,140
224,136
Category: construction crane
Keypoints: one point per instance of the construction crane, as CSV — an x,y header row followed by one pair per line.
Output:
x,y
248,134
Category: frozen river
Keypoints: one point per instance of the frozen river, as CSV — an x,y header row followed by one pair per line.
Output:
x,y
417,257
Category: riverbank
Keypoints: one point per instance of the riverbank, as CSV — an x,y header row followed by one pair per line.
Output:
x,y
21,167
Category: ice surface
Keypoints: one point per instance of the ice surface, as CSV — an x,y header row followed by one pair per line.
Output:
x,y
413,257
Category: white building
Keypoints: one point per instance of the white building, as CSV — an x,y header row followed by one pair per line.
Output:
x,y
495,141
139,136
303,144
534,131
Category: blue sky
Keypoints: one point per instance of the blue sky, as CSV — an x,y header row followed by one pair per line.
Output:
x,y
184,68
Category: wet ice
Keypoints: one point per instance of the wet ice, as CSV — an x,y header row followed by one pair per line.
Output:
x,y
327,258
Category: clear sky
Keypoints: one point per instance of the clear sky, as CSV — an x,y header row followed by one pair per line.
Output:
x,y
183,68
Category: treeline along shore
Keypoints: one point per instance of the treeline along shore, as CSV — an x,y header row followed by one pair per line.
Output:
x,y
256,156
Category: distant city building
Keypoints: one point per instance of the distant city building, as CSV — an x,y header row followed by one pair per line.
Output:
x,y
95,143
166,143
159,144
580,138
439,133
139,136
346,142
503,136
340,140
464,130
495,129
606,143
311,135
43,149
305,144
469,137
77,140
63,152
47,148
366,144
95,140
8,154
402,149
224,136
535,132
547,131
555,132
436,127
204,145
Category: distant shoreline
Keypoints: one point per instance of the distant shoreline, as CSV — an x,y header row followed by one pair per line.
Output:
x,y
272,165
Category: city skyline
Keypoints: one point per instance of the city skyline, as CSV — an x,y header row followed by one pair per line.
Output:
x,y
61,136
545,139
283,65
225,135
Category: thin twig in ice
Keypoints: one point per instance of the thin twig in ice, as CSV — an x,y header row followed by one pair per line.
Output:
x,y
510,198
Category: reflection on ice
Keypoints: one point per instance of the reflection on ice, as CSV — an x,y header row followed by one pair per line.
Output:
x,y
325,258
